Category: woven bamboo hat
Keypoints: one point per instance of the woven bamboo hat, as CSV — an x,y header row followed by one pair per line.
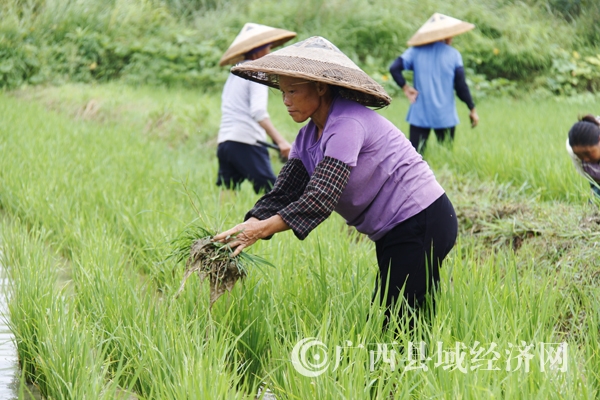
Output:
x,y
439,27
316,59
252,36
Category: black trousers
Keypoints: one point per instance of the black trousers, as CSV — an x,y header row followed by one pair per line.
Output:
x,y
419,135
240,161
411,254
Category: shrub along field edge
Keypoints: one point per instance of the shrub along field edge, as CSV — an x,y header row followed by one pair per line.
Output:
x,y
175,43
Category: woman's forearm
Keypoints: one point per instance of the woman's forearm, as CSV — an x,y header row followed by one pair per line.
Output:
x,y
272,225
246,234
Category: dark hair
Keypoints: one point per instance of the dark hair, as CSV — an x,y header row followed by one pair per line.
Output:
x,y
586,132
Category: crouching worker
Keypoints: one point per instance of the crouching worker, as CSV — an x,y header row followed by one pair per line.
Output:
x,y
583,145
351,160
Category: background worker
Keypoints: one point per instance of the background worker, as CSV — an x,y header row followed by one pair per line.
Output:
x,y
583,145
244,116
438,73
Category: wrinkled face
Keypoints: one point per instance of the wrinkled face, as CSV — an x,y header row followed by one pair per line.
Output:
x,y
588,154
300,97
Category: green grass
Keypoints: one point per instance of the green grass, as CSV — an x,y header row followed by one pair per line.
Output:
x,y
91,203
521,142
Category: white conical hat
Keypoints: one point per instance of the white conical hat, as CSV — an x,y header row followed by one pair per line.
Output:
x,y
439,27
316,59
252,36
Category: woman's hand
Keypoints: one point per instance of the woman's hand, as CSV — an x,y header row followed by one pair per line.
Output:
x,y
284,148
246,234
474,118
241,236
410,92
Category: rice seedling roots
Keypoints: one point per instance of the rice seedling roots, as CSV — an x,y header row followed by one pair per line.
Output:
x,y
213,261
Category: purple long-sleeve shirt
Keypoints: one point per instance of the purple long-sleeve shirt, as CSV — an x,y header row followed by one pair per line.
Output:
x,y
389,181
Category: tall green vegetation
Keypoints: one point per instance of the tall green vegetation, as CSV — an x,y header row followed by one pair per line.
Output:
x,y
584,14
97,180
92,202
87,40
177,42
523,145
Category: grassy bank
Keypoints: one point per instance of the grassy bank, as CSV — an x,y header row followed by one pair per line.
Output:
x,y
95,197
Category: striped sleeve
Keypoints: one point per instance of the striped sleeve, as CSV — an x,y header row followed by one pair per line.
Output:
x,y
289,186
319,199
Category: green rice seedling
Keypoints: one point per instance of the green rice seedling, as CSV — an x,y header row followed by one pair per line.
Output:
x,y
525,150
30,294
45,326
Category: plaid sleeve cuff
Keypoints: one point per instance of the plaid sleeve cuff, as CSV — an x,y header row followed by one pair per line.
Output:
x,y
322,194
289,186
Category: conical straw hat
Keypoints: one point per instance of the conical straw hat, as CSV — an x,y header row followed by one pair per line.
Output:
x,y
439,27
252,36
316,59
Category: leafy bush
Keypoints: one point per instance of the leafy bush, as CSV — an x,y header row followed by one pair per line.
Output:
x,y
89,40
481,87
18,62
517,46
179,42
572,73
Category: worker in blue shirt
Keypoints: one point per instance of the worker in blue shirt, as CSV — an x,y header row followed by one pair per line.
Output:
x,y
438,73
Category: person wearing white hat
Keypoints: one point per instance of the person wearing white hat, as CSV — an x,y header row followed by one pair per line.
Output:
x,y
245,122
438,73
351,160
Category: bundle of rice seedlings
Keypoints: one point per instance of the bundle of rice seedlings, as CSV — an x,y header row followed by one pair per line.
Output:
x,y
211,260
